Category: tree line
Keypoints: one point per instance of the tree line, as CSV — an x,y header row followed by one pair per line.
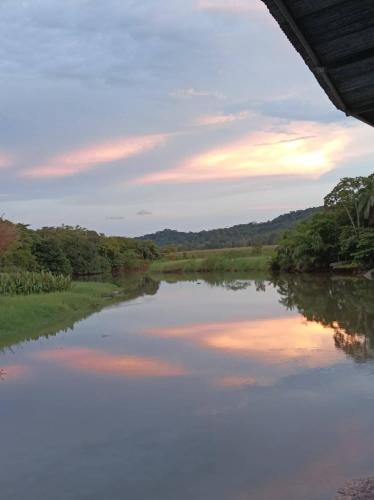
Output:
x,y
339,236
241,235
68,250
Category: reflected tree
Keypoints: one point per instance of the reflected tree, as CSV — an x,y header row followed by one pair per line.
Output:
x,y
345,304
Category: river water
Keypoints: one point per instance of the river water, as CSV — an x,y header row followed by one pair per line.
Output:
x,y
204,389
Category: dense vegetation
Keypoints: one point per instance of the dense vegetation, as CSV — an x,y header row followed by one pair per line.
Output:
x,y
265,233
340,236
214,261
26,283
69,250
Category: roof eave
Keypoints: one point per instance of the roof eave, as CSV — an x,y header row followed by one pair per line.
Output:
x,y
289,26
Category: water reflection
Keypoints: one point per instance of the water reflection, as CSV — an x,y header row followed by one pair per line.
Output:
x,y
13,372
274,340
346,305
99,362
218,388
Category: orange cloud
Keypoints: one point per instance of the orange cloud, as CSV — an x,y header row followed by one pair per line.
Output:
x,y
91,360
271,340
304,149
81,160
230,5
221,119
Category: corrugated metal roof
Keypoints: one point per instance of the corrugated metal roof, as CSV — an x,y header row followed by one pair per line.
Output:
x,y
336,40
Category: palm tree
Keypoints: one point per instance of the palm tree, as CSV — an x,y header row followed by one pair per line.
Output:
x,y
366,201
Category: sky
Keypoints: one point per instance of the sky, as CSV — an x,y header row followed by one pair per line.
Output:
x,y
129,117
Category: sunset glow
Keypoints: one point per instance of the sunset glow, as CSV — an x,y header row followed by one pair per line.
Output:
x,y
304,150
197,112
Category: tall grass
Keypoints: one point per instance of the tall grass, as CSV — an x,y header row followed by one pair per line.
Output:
x,y
213,263
232,253
27,283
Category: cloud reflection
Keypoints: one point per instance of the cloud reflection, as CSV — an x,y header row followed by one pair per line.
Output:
x,y
13,372
270,340
95,361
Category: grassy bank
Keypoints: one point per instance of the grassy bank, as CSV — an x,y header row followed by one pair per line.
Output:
x,y
32,316
206,261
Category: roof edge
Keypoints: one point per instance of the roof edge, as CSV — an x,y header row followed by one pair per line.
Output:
x,y
281,13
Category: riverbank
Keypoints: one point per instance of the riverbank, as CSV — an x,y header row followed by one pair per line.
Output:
x,y
32,316
207,261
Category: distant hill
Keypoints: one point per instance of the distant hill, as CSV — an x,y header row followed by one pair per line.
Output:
x,y
265,233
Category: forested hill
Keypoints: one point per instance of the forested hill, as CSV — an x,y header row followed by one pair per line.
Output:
x,y
266,233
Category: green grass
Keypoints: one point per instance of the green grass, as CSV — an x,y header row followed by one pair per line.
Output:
x,y
214,261
29,317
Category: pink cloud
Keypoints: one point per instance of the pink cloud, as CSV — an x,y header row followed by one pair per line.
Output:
x,y
5,160
221,119
82,160
303,149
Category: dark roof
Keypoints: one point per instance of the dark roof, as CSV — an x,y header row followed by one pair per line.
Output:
x,y
336,40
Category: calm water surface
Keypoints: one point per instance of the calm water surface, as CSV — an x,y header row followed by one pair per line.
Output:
x,y
221,390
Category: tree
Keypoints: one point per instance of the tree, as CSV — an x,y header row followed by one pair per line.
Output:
x,y
345,196
343,232
18,255
312,246
8,234
366,201
51,257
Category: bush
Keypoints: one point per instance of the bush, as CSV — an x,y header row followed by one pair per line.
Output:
x,y
26,283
